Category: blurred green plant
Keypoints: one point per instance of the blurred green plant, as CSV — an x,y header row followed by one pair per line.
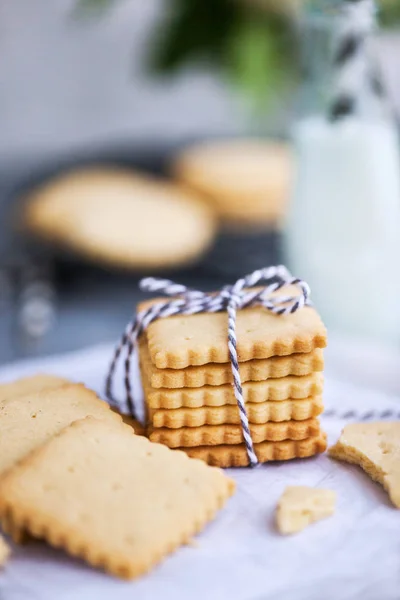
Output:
x,y
389,13
251,43
248,43
90,8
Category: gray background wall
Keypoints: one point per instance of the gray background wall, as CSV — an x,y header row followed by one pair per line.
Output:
x,y
69,84
66,84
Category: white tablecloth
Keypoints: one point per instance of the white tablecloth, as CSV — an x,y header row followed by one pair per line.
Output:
x,y
353,555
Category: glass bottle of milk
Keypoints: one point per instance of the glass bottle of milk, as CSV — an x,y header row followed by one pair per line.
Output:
x,y
343,229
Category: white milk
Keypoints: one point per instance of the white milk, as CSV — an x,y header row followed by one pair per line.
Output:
x,y
343,230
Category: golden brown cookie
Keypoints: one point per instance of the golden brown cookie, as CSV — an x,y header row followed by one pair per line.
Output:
x,y
111,497
215,435
218,374
184,340
236,456
283,388
137,427
18,534
33,383
299,506
28,421
246,181
375,447
262,412
120,218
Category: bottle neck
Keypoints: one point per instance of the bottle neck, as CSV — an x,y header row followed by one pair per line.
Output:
x,y
336,85
316,61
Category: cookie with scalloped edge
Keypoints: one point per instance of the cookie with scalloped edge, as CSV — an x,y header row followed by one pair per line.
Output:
x,y
284,388
215,435
136,425
262,412
31,384
217,374
30,420
235,455
111,497
184,340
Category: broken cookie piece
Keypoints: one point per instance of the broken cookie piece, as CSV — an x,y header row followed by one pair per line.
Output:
x,y
375,447
299,506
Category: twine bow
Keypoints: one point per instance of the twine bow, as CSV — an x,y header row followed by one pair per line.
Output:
x,y
189,302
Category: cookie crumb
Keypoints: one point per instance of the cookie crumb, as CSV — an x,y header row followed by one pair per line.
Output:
x,y
299,506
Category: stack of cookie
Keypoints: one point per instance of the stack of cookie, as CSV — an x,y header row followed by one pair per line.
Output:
x,y
189,397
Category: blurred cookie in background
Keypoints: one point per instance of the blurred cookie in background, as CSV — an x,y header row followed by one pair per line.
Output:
x,y
246,181
121,218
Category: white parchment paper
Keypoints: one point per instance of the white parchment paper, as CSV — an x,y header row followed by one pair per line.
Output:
x,y
353,555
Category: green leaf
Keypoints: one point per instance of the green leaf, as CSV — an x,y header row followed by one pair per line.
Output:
x,y
261,58
389,14
193,30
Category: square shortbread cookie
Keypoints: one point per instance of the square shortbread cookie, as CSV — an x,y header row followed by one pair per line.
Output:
x,y
215,435
28,421
235,455
111,497
260,412
27,385
217,374
180,341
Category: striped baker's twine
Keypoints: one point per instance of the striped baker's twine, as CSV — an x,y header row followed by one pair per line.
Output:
x,y
367,415
189,302
353,67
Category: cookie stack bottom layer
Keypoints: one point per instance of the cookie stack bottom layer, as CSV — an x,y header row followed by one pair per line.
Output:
x,y
283,398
